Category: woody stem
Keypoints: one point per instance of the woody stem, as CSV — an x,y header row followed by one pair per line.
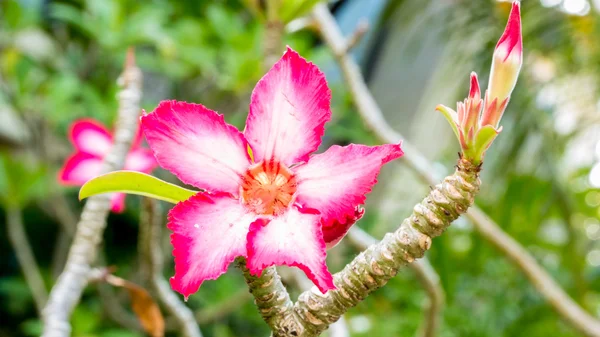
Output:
x,y
374,267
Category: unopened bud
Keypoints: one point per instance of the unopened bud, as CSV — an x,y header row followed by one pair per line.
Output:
x,y
506,64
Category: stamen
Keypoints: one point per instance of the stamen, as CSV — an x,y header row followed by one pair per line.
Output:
x,y
268,188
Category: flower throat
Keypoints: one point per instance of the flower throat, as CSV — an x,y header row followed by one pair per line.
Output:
x,y
268,188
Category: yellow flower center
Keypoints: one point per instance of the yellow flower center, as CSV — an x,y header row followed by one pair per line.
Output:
x,y
268,188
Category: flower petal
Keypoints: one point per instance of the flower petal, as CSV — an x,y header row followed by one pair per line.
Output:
x,y
335,231
117,202
292,239
288,110
91,137
197,145
209,232
141,160
336,181
79,168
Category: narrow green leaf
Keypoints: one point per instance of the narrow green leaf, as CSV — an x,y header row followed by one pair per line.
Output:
x,y
133,182
483,139
451,117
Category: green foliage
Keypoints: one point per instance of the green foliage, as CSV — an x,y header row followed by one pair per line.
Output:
x,y
134,182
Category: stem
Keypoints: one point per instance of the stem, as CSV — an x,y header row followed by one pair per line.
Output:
x,y
20,244
272,300
274,31
373,117
150,234
67,291
426,275
374,267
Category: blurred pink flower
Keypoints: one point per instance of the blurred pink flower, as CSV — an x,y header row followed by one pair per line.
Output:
x,y
266,199
92,142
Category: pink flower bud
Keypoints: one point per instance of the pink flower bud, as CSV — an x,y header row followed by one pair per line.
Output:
x,y
506,63
472,104
474,91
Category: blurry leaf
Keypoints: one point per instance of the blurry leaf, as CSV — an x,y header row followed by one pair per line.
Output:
x,y
22,178
224,23
293,9
16,294
32,327
73,16
142,305
120,333
133,182
255,7
85,320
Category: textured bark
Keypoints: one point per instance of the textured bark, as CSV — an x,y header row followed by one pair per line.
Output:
x,y
374,267
150,234
272,300
272,46
66,293
427,276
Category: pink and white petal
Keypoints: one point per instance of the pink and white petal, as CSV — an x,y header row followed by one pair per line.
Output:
x,y
336,181
117,202
89,136
79,168
141,160
209,232
293,239
197,145
288,110
335,231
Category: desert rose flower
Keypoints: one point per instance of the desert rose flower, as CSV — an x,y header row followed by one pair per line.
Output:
x,y
267,199
92,141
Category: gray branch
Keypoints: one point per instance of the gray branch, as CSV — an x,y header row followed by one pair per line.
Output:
x,y
20,244
373,118
374,267
66,293
428,277
150,235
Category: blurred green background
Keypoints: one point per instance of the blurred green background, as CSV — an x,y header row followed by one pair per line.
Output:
x,y
59,60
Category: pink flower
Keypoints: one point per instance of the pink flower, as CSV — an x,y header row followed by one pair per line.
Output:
x,y
92,142
267,199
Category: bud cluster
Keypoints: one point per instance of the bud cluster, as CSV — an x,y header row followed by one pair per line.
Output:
x,y
476,124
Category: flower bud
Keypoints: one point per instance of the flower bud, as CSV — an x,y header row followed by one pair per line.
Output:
x,y
506,64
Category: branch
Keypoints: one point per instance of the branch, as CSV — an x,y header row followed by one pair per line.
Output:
x,y
222,309
20,244
66,293
272,299
150,234
373,117
426,275
374,267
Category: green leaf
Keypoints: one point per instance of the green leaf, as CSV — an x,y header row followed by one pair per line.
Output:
x,y
133,182
452,118
483,139
293,9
